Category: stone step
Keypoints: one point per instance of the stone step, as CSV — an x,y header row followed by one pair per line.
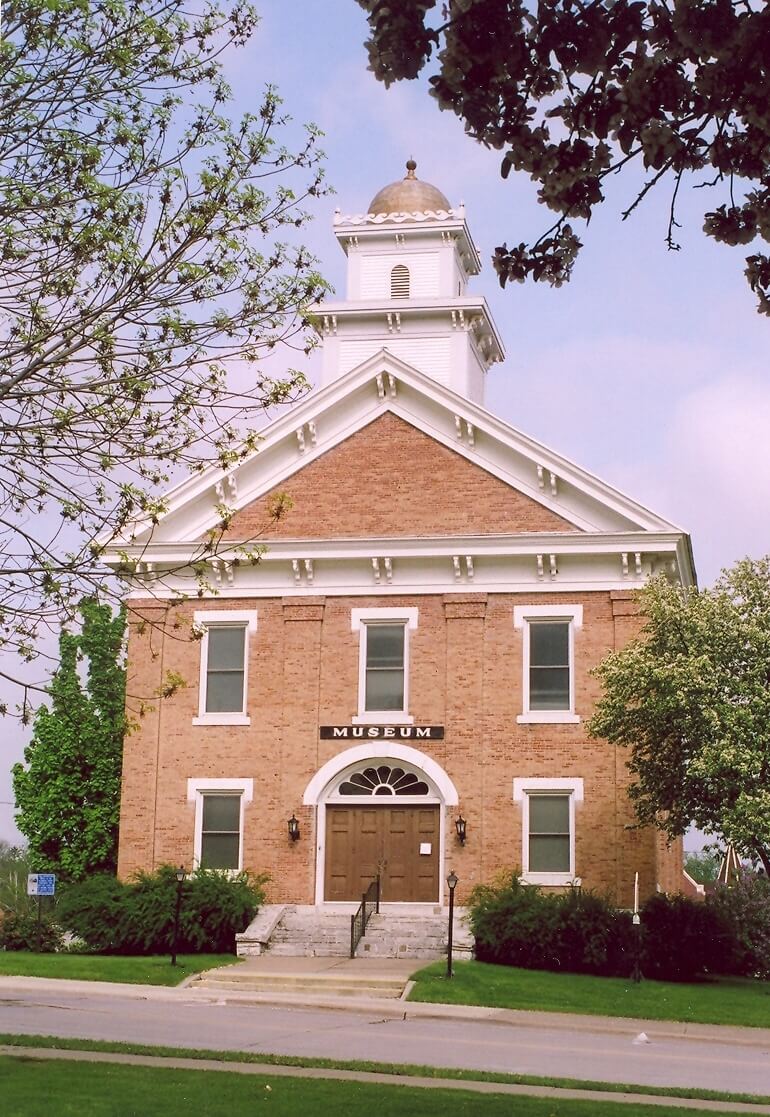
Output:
x,y
306,931
333,985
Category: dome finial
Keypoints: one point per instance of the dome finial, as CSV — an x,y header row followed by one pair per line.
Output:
x,y
411,167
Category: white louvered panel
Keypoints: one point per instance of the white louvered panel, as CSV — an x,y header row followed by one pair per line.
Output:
x,y
423,274
430,355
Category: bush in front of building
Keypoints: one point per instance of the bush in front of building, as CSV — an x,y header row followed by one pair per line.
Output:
x,y
745,905
137,917
683,939
578,931
21,931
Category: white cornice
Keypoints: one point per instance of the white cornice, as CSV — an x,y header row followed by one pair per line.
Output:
x,y
463,312
538,563
353,229
383,383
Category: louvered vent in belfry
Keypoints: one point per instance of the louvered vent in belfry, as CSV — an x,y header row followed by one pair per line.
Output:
x,y
399,282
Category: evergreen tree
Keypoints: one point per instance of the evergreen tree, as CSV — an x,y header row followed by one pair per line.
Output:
x,y
68,790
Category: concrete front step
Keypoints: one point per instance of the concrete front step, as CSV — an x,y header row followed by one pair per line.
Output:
x,y
332,985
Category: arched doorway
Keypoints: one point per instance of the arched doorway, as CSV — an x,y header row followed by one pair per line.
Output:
x,y
380,810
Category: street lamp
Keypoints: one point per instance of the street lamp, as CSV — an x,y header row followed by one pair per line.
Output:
x,y
452,884
180,877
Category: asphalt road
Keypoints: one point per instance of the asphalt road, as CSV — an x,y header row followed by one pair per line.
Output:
x,y
563,1051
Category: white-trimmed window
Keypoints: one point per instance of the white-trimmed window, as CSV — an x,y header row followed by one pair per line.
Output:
x,y
219,810
224,666
548,654
548,828
383,664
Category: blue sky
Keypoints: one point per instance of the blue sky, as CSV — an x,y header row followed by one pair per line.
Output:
x,y
650,368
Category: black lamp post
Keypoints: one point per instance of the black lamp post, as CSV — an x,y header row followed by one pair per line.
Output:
x,y
180,877
452,884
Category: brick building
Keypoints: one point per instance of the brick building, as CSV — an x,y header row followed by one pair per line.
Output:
x,y
402,681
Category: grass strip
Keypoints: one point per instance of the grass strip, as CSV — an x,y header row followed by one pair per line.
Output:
x,y
113,1090
740,1002
123,969
407,1070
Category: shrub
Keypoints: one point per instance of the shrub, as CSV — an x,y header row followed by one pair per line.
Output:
x,y
20,931
113,917
683,939
745,907
96,911
513,924
516,924
592,936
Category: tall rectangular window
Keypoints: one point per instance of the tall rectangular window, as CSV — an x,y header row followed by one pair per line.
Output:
x,y
549,666
548,659
549,834
385,666
383,663
225,669
221,832
548,811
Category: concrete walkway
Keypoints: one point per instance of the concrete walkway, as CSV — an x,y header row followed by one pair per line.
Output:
x,y
195,991
268,1070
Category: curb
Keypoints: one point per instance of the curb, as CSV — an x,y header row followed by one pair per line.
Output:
x,y
395,1008
476,1086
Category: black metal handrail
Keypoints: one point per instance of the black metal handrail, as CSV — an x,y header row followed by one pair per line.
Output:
x,y
370,903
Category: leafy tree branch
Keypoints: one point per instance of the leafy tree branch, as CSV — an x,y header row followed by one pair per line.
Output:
x,y
572,92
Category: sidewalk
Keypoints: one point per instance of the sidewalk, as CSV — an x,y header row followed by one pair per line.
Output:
x,y
270,1070
389,1007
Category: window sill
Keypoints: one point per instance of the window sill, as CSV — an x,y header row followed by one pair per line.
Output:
x,y
382,717
555,879
229,874
222,719
548,717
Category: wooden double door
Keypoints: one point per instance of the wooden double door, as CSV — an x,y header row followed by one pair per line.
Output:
x,y
399,842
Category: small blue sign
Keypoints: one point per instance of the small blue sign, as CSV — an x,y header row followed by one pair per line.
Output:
x,y
46,884
41,884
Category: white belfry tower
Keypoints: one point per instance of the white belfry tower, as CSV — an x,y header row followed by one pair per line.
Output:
x,y
410,258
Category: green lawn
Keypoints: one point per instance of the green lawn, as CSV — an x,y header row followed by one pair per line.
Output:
x,y
155,970
404,1070
725,1001
101,1090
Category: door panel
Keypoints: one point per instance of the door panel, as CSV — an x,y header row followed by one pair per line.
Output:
x,y
359,839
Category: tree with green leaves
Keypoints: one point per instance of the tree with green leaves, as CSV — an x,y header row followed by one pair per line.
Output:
x,y
149,262
703,866
691,700
68,789
575,91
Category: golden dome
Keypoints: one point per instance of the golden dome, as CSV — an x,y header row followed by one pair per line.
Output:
x,y
408,195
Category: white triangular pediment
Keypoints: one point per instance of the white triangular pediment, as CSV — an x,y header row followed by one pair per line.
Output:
x,y
385,383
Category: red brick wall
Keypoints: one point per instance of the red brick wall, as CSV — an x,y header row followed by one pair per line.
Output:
x,y
390,479
465,674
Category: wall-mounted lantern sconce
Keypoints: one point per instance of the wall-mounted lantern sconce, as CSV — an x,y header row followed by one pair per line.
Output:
x,y
460,827
293,825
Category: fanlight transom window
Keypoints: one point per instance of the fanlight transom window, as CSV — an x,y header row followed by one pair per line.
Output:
x,y
383,780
